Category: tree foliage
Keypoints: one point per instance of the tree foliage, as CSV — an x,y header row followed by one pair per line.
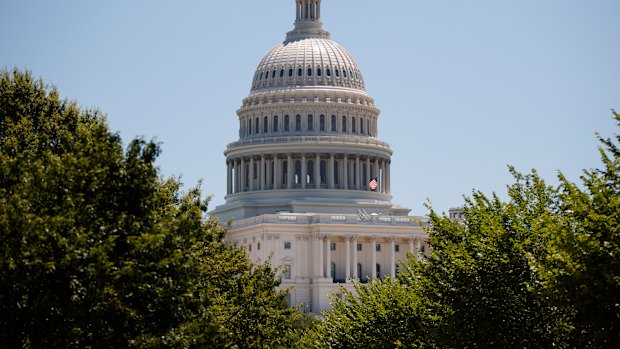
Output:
x,y
96,250
541,269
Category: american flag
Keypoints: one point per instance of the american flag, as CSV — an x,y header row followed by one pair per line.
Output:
x,y
373,184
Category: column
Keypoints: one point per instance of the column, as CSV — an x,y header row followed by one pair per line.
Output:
x,y
328,257
317,171
358,173
377,171
411,248
242,172
345,174
304,171
277,178
354,246
236,177
318,255
382,171
269,183
393,257
228,177
321,247
388,188
252,174
417,249
330,172
289,164
262,172
347,267
368,174
374,256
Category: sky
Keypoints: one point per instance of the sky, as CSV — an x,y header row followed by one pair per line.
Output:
x,y
465,88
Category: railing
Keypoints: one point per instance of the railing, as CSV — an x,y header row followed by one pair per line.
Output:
x,y
309,139
301,218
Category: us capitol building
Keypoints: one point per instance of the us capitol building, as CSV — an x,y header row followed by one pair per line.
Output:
x,y
299,178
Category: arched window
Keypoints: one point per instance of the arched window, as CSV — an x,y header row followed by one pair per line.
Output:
x,y
310,174
336,179
297,177
290,72
337,73
361,125
323,172
353,124
250,127
322,123
299,72
266,125
329,72
281,72
333,123
298,122
257,128
310,123
287,126
344,124
273,74
309,71
275,123
344,73
284,172
318,71
368,126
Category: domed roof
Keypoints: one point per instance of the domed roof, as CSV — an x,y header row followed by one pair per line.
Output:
x,y
308,62
308,57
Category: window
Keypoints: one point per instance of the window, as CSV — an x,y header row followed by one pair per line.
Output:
x,y
421,248
333,123
297,178
273,74
318,72
309,71
378,266
359,270
337,73
310,174
378,247
332,270
299,72
368,126
332,246
290,72
261,76
257,125
322,123
286,123
266,125
396,248
250,127
361,125
344,124
250,248
329,72
258,246
287,245
281,72
359,247
297,122
310,123
323,172
275,123
286,271
353,124
344,73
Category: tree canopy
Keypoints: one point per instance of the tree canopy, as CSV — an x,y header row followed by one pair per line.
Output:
x,y
541,269
96,250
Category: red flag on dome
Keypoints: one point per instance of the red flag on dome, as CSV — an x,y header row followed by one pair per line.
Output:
x,y
373,184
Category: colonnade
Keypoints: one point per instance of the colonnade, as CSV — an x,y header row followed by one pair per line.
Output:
x,y
307,171
323,254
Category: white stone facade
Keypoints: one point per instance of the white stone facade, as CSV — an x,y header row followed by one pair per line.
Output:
x,y
298,178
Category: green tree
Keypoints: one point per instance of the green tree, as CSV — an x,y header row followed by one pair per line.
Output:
x,y
541,269
96,250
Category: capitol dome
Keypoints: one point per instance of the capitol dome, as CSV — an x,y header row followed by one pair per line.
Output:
x,y
307,132
308,61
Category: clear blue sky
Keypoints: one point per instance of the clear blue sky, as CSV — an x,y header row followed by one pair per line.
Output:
x,y
465,87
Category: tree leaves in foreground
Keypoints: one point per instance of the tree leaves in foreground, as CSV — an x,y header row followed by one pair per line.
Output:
x,y
539,270
97,251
